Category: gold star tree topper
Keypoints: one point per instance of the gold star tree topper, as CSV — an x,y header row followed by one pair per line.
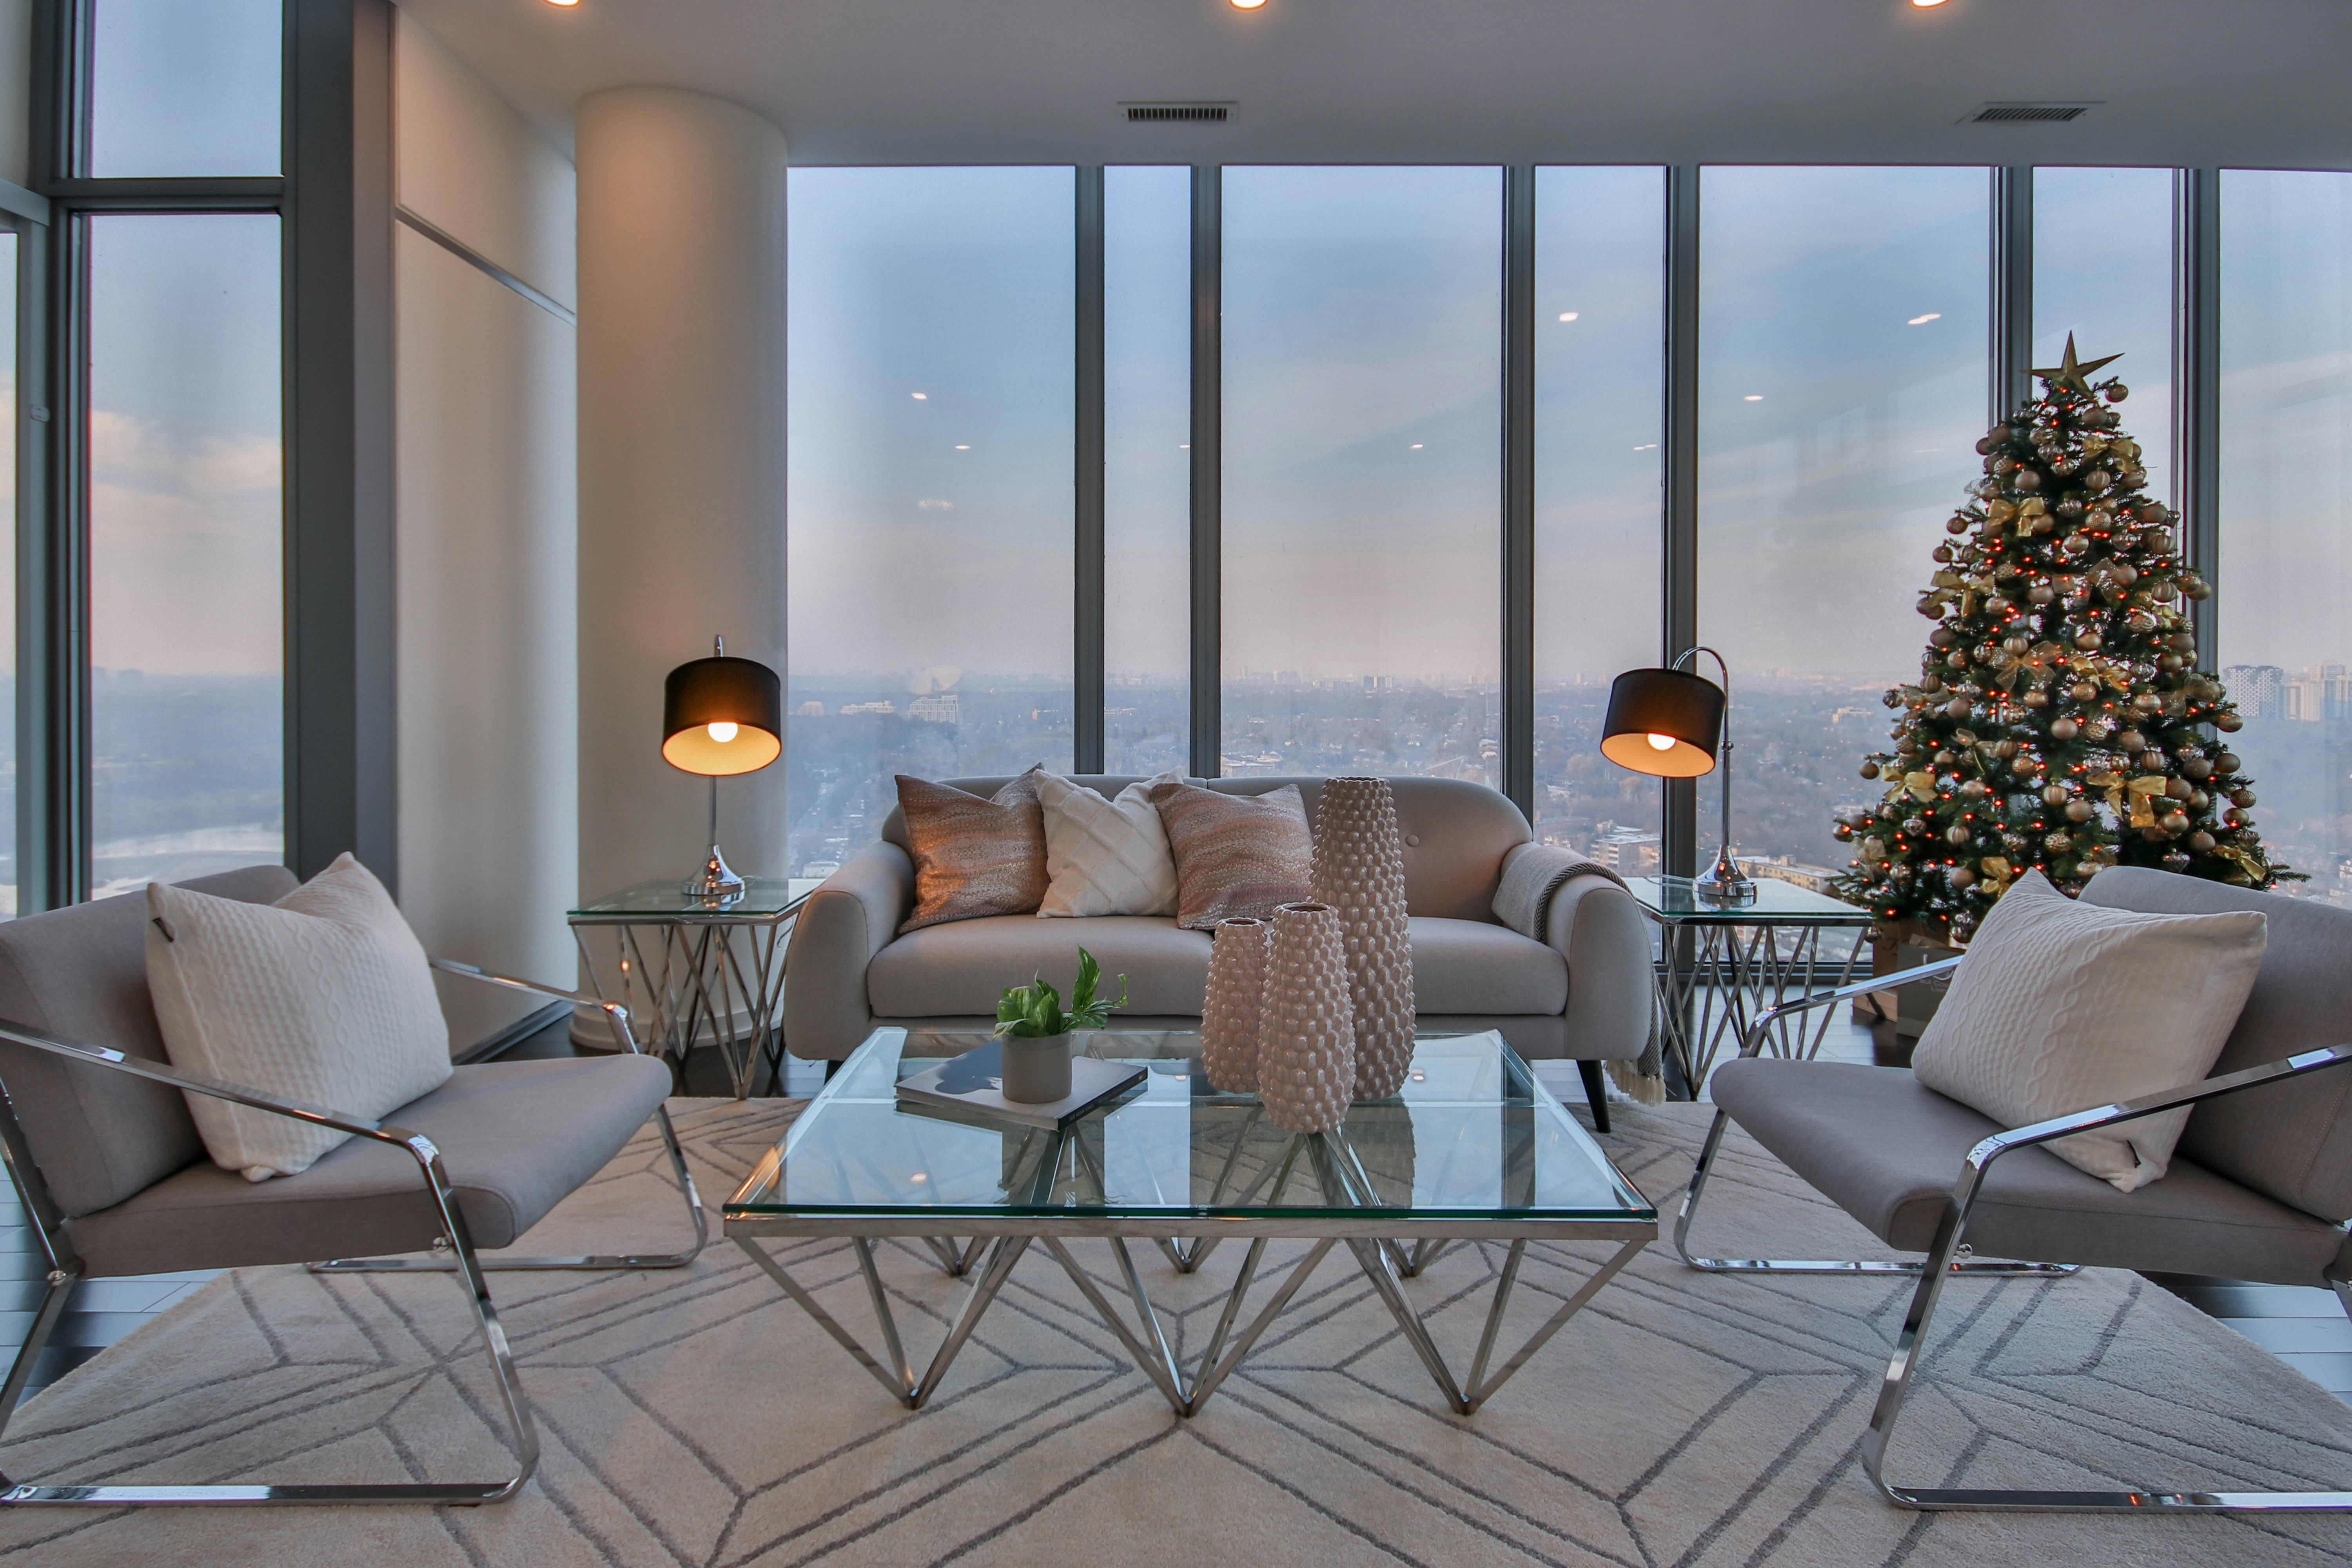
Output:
x,y
2069,372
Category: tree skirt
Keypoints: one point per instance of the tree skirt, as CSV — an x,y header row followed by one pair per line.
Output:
x,y
699,1417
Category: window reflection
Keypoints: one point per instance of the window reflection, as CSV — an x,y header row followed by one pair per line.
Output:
x,y
1362,471
932,378
1842,389
2284,575
187,547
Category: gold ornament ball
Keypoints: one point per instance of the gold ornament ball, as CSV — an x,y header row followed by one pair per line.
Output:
x,y
2241,798
2057,843
2036,697
1960,876
1870,770
2080,811
2132,740
2201,842
2174,822
2063,729
2083,692
1957,834
2118,391
2228,723
2227,762
2054,794
2087,641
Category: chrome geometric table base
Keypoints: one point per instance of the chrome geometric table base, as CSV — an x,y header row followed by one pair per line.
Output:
x,y
1386,1262
699,988
1736,975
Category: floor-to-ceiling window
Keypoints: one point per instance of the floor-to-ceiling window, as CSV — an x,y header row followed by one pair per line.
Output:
x,y
1599,435
930,558
2103,271
186,602
1362,471
180,440
2286,548
1147,468
1842,390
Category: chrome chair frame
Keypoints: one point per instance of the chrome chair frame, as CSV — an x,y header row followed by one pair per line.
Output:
x,y
65,1270
1949,1254
1753,1044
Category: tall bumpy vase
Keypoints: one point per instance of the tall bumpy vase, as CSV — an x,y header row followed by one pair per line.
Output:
x,y
1229,1021
1307,1033
1359,871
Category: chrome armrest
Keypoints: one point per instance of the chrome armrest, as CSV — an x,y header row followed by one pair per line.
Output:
x,y
2026,1137
1754,1041
218,1088
616,1017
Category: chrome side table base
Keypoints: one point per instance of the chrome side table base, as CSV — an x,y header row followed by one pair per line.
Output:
x,y
1737,973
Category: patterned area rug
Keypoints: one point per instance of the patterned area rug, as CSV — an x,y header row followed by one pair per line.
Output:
x,y
700,1418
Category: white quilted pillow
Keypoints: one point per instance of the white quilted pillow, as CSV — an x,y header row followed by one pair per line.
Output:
x,y
1106,857
323,997
2063,1006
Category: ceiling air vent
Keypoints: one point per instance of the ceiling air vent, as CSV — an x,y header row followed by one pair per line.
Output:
x,y
2025,113
1177,113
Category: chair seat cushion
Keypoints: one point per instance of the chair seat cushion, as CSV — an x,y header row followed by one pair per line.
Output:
x,y
515,1137
1472,966
957,970
1887,1150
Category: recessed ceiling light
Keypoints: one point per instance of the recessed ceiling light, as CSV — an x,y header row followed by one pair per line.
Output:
x,y
964,448
1247,4
922,398
1924,4
1923,320
1567,315
1416,446
565,3
1753,397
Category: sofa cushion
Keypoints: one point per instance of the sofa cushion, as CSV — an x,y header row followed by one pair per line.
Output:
x,y
961,968
1471,966
958,970
1235,857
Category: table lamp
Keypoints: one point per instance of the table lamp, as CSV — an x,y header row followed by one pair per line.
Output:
x,y
1669,724
720,716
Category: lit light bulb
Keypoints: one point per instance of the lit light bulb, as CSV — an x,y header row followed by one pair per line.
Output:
x,y
724,731
1660,742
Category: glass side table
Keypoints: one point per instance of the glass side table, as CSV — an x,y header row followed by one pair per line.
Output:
x,y
1722,967
699,971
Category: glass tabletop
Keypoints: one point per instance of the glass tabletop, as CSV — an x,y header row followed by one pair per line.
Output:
x,y
1472,1135
763,897
1675,900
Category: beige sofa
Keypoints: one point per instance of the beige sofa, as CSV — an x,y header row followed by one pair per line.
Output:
x,y
1583,993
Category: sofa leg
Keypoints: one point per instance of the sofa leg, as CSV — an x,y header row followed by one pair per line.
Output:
x,y
1596,1094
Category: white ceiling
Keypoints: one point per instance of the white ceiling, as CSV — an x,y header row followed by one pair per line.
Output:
x,y
2249,83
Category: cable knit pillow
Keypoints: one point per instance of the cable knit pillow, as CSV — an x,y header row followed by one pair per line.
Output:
x,y
1106,857
323,997
2063,1006
1236,854
973,857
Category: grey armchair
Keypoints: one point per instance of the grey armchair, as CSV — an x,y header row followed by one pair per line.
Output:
x,y
2259,1188
97,1139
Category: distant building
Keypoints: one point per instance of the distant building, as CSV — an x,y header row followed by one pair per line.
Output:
x,y
2258,690
1627,851
811,710
2322,691
1781,868
883,706
942,707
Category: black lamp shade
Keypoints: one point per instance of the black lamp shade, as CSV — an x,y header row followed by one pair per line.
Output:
x,y
1650,706
739,698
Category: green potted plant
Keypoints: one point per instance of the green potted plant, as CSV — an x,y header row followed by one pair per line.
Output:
x,y
1033,1031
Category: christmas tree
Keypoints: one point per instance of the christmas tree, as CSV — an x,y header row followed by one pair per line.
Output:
x,y
2059,719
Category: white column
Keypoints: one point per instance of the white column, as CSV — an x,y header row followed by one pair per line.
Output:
x,y
681,462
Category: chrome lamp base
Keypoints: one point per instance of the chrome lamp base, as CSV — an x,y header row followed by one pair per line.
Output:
x,y
1724,884
714,880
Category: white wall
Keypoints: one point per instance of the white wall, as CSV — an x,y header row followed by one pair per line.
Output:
x,y
681,461
487,537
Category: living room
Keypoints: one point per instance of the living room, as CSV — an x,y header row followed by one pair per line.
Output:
x,y
920,781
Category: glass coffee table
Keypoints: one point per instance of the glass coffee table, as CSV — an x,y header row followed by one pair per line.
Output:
x,y
1474,1149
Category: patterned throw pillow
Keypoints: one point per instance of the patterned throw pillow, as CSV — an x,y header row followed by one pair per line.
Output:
x,y
323,996
1106,857
973,857
1236,854
2064,1006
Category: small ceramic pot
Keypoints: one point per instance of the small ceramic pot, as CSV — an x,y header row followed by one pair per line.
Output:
x,y
1036,1069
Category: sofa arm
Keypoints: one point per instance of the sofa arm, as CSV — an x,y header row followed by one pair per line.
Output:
x,y
854,915
1596,925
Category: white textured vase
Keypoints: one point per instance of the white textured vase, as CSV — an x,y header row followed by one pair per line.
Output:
x,y
1359,872
1228,1008
1307,1033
